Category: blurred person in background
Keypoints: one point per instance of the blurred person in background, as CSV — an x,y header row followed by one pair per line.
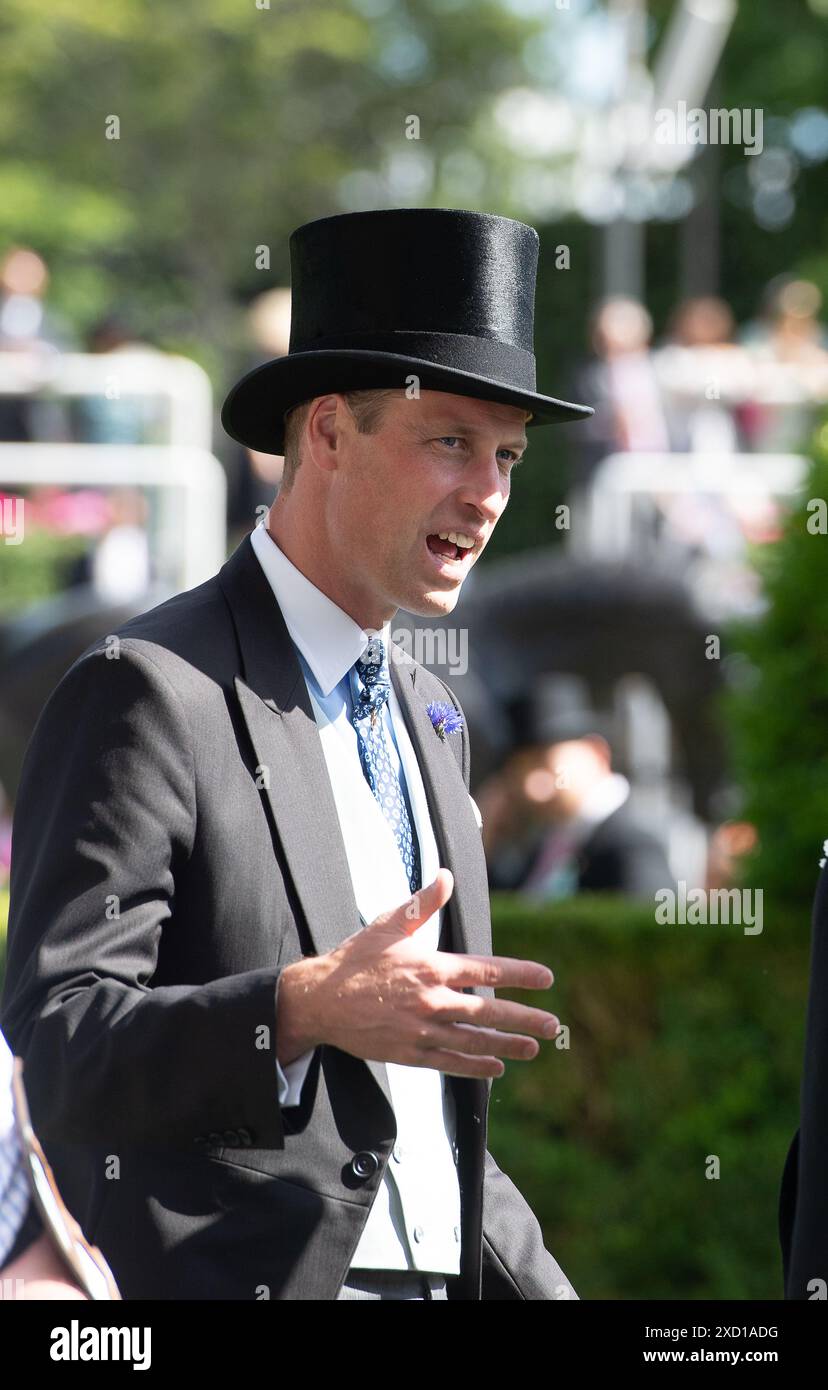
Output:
x,y
700,370
255,476
118,562
112,416
729,844
26,1250
572,827
27,325
621,380
789,347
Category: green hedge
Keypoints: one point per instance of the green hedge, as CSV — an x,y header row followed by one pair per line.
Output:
x,y
685,1041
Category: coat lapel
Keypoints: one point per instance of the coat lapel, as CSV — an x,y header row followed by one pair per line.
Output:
x,y
452,818
279,718
280,722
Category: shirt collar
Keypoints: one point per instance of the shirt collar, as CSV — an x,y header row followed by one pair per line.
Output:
x,y
327,637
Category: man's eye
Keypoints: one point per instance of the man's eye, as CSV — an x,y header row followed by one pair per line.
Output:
x,y
450,439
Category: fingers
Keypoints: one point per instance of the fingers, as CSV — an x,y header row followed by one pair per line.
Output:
x,y
500,972
502,1014
456,1064
469,1041
426,901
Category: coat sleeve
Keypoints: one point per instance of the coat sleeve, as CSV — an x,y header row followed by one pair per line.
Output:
x,y
516,1263
104,820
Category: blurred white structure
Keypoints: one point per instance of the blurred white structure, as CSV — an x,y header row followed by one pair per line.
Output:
x,y
186,531
695,513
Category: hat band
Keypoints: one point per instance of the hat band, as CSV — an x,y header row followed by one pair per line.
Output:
x,y
487,357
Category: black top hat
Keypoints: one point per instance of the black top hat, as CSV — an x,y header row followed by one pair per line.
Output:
x,y
440,294
555,709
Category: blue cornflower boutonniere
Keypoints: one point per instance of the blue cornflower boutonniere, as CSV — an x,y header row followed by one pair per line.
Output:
x,y
444,717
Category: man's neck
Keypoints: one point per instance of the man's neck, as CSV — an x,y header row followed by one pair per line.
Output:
x,y
301,557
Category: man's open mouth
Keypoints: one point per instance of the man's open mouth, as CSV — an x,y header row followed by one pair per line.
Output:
x,y
446,549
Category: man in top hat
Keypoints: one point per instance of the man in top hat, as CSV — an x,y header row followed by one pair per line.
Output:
x,y
575,830
250,969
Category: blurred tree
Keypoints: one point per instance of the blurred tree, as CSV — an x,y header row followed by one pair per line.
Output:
x,y
234,125
779,709
237,122
773,205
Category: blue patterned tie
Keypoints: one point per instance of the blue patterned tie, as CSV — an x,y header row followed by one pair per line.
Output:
x,y
373,687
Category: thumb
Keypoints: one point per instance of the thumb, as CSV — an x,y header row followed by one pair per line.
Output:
x,y
425,902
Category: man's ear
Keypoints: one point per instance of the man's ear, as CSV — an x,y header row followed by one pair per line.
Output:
x,y
323,428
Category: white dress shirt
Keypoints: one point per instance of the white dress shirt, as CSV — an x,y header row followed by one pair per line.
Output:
x,y
414,1222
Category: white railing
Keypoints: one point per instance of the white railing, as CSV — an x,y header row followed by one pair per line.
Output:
x,y
614,515
188,532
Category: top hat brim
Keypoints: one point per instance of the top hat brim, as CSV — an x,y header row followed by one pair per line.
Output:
x,y
254,409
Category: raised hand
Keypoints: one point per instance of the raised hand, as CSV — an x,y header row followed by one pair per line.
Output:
x,y
384,996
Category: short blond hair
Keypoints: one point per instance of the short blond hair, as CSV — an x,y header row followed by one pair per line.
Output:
x,y
367,407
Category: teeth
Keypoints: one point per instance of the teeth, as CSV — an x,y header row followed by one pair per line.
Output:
x,y
458,538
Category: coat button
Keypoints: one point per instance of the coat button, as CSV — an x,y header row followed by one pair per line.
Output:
x,y
364,1164
418,1233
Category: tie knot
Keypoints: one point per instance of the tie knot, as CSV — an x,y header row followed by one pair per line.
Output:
x,y
372,676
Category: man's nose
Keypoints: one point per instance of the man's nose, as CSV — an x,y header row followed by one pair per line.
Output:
x,y
483,487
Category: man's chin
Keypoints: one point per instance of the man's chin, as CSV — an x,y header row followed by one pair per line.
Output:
x,y
435,604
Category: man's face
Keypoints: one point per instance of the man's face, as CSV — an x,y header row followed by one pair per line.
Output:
x,y
575,765
441,463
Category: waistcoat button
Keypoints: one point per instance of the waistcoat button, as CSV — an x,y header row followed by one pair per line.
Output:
x,y
364,1164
